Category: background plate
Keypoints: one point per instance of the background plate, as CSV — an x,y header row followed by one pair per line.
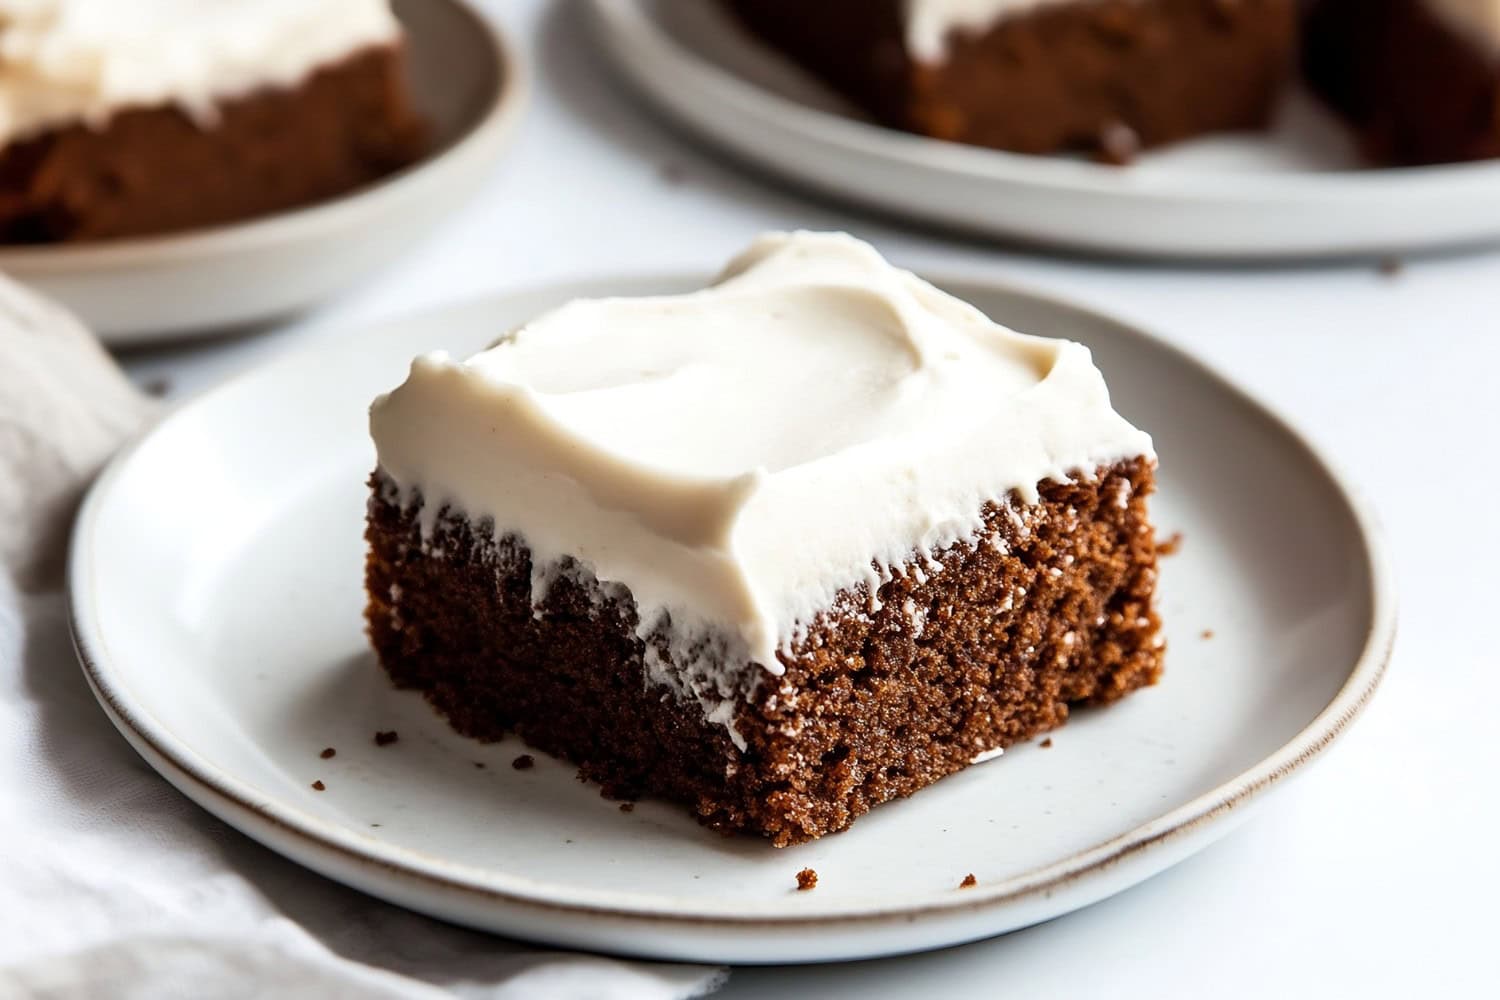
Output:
x,y
1294,193
216,594
464,79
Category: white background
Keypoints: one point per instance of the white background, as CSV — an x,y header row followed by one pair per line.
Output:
x,y
1378,873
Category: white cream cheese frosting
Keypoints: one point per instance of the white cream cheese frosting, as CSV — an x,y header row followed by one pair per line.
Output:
x,y
69,61
740,455
1476,20
929,22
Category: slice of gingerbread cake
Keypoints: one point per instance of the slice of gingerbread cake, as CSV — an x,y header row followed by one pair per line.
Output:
x,y
782,549
1418,79
1042,76
136,117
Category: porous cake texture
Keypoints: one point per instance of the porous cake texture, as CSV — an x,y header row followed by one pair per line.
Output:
x,y
933,542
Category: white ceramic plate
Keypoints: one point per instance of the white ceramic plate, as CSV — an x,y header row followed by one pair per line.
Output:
x,y
468,83
216,598
1296,192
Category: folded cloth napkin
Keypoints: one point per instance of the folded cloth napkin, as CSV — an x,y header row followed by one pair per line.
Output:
x,y
111,883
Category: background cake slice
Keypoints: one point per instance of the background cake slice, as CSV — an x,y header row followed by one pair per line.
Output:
x,y
1418,79
127,118
1040,76
782,549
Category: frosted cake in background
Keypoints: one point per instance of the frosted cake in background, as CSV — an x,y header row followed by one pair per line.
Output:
x,y
148,116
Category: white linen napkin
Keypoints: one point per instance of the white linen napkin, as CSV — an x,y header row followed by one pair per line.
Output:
x,y
112,883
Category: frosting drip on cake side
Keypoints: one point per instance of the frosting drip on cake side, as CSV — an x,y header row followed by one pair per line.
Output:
x,y
1477,21
739,455
929,22
68,61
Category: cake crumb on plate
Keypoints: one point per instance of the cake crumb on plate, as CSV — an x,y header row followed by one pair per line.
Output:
x,y
1119,145
318,786
523,762
969,881
384,738
807,879
327,753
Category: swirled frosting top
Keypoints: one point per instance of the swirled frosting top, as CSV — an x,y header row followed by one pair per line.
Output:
x,y
738,455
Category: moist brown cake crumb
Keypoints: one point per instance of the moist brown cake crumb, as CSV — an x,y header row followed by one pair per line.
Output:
x,y
318,786
1208,633
1047,743
969,881
327,753
807,879
524,762
1053,612
626,807
386,737
1171,546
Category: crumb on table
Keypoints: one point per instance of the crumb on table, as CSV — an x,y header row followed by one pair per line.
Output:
x,y
523,762
1171,546
1208,633
385,738
327,752
807,879
318,786
969,881
1047,743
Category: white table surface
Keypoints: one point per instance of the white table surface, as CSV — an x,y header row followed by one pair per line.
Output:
x,y
1377,874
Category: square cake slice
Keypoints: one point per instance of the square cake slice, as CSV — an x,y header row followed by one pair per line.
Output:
x,y
782,549
1042,76
1418,79
122,118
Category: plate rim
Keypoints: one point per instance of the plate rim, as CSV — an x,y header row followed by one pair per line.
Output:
x,y
1059,174
501,115
183,769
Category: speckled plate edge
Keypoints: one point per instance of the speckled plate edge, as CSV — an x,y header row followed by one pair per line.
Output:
x,y
430,885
